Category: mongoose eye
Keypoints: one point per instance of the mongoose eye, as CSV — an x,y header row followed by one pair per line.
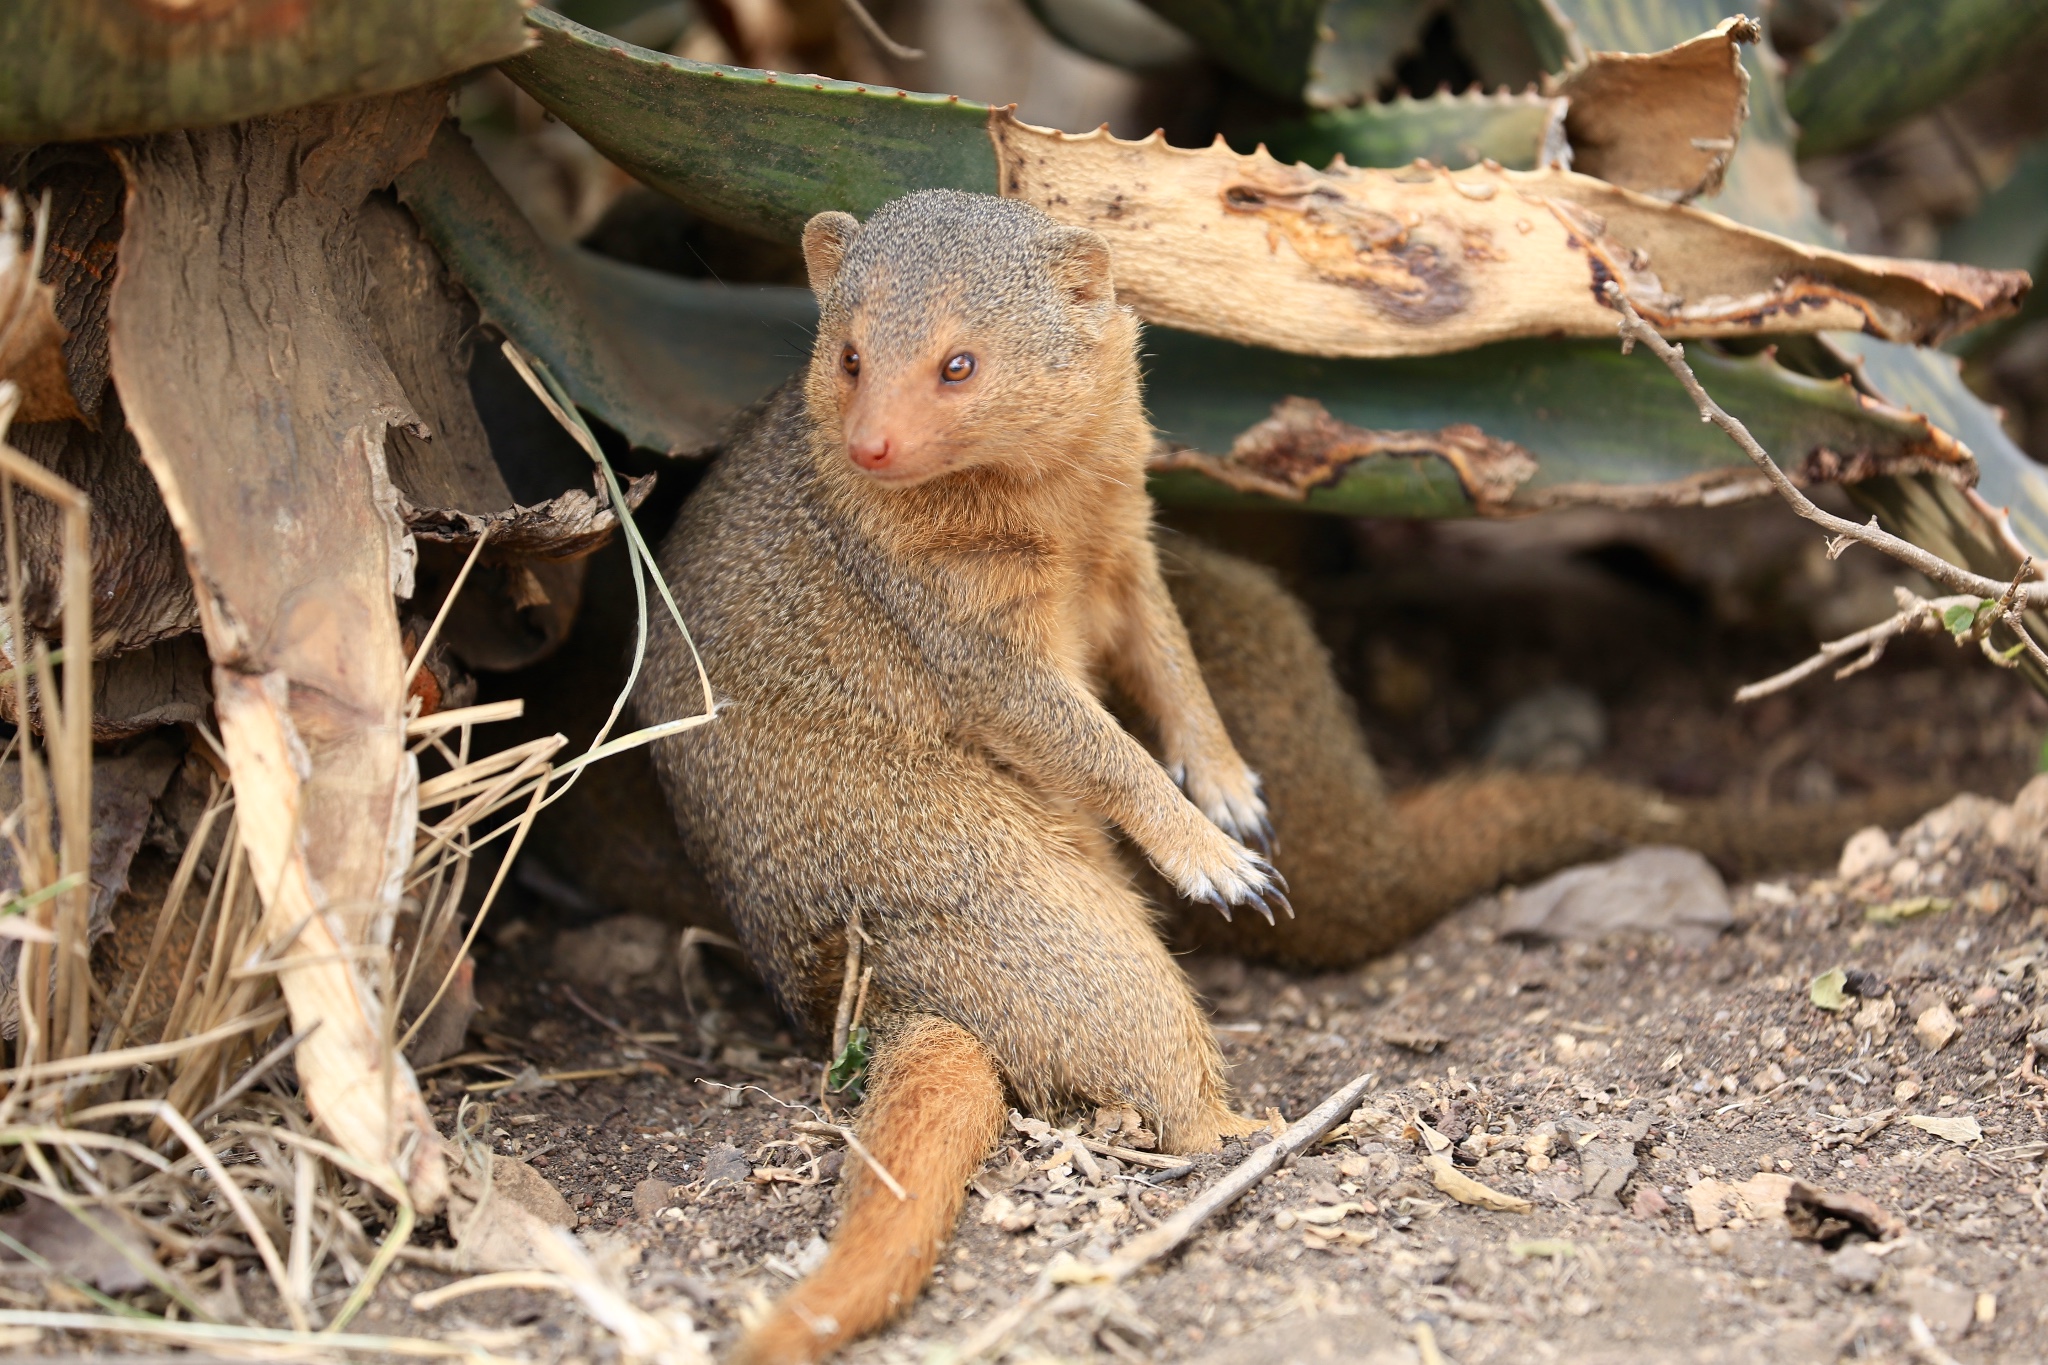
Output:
x,y
849,361
958,368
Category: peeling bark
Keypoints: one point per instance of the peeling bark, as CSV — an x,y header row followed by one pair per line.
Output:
x,y
260,401
1302,447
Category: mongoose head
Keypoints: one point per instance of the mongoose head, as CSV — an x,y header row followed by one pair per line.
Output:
x,y
960,331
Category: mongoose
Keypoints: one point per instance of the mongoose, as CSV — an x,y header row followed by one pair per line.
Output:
x,y
914,572
911,574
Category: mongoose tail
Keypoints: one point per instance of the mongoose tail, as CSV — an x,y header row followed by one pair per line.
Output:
x,y
933,1112
1367,870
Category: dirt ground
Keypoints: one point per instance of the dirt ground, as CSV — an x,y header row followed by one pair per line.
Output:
x,y
1651,1101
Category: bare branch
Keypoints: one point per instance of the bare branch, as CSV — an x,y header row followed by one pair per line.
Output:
x,y
1085,1281
1915,613
1634,329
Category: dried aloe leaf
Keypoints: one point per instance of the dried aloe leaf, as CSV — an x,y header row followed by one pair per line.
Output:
x,y
1662,123
1362,262
1351,262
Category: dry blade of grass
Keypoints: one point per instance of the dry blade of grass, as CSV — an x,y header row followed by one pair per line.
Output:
x,y
99,1123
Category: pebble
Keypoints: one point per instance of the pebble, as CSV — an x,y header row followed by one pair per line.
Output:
x,y
1935,1028
1868,850
1854,1267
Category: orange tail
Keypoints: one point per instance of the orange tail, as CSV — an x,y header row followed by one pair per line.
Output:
x,y
934,1109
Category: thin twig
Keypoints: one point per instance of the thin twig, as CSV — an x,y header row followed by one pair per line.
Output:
x,y
1866,646
215,1334
1131,1156
849,983
874,30
858,1148
1086,1280
1634,329
255,1073
2012,598
419,655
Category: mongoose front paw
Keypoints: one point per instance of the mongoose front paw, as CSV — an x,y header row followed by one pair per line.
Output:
x,y
1228,793
1226,873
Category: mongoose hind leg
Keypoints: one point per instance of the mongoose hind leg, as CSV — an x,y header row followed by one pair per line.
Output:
x,y
1059,970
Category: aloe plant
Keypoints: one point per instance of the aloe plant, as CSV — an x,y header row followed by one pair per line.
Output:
x,y
752,149
71,71
1893,59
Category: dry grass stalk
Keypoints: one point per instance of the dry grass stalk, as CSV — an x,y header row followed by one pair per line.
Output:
x,y
182,1142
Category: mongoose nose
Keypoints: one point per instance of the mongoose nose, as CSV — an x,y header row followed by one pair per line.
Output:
x,y
870,452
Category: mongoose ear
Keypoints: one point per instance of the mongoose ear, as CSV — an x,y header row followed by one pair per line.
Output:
x,y
826,239
1079,259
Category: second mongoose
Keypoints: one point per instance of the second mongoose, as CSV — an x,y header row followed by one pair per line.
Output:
x,y
914,573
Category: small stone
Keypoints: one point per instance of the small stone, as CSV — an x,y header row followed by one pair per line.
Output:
x,y
726,1162
1868,850
1855,1268
606,955
1947,1308
1721,1242
1653,889
1935,1028
1648,1203
650,1197
1984,997
1988,898
1555,729
1987,1308
1876,1016
1904,872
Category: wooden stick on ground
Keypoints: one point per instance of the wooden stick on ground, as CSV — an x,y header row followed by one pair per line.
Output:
x,y
1082,1280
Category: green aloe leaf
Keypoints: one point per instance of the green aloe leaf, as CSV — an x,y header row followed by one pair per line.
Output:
x,y
1598,425
1325,52
105,68
703,134
524,291
1452,130
2009,230
1897,58
1121,32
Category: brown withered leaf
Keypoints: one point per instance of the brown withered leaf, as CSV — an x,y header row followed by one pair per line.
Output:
x,y
124,788
108,1259
1829,1216
1466,1190
1423,260
565,526
1661,123
1301,446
